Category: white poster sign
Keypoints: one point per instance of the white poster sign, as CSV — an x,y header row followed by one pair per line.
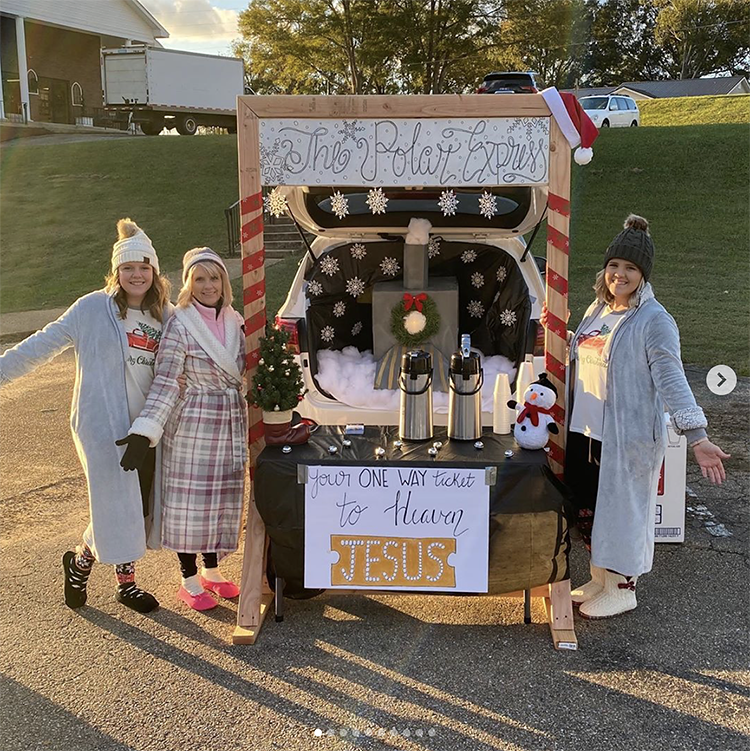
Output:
x,y
420,152
406,528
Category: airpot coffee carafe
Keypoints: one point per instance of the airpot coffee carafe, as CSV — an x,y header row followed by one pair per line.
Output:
x,y
465,400
415,383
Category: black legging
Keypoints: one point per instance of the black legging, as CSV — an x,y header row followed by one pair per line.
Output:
x,y
582,459
189,565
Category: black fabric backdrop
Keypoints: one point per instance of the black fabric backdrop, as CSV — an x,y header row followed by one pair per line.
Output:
x,y
529,507
489,332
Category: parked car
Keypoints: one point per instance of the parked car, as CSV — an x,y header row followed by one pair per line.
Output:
x,y
612,111
508,83
500,290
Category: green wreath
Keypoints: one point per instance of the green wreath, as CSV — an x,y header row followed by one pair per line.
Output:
x,y
422,304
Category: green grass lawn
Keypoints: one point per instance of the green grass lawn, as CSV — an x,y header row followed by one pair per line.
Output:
x,y
60,204
701,110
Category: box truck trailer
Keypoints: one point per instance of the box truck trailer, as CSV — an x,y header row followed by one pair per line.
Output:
x,y
159,88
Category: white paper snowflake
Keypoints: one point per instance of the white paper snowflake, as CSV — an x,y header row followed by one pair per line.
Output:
x,y
502,272
357,328
349,129
339,204
448,202
376,200
477,279
315,287
327,333
507,317
355,286
329,266
390,266
358,251
469,256
487,205
339,309
275,203
433,247
475,308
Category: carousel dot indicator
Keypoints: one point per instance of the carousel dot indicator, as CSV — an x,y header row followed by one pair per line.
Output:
x,y
478,445
508,454
379,452
286,450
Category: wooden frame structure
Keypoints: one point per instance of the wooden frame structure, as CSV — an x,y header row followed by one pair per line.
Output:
x,y
256,596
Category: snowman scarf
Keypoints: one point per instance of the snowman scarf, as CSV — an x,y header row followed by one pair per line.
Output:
x,y
532,412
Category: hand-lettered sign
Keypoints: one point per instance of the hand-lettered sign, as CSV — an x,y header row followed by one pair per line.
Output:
x,y
423,152
423,528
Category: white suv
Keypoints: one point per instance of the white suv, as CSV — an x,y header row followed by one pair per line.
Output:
x,y
612,111
328,310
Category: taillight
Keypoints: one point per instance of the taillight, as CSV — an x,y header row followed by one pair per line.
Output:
x,y
290,326
527,89
481,89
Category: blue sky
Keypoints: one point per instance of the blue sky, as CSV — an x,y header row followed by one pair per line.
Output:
x,y
197,25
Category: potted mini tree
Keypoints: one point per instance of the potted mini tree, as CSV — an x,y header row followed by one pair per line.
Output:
x,y
277,388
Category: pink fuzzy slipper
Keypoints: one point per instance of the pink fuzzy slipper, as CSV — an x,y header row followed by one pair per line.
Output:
x,y
203,601
227,590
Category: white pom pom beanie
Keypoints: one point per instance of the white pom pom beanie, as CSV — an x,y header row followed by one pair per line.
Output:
x,y
134,249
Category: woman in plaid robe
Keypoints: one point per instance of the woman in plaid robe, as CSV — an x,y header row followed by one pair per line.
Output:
x,y
204,431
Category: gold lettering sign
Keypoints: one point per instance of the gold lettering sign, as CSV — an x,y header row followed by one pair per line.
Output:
x,y
368,561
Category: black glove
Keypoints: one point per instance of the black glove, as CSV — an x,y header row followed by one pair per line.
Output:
x,y
135,453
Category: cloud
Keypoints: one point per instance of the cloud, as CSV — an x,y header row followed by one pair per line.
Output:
x,y
194,20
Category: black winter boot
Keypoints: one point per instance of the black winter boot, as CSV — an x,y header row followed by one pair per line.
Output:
x,y
76,580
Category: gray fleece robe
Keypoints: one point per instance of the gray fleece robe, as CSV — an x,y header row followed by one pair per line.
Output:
x,y
644,375
99,416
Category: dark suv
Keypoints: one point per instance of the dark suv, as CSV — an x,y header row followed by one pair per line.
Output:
x,y
508,83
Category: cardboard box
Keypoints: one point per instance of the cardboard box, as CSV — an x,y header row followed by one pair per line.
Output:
x,y
670,492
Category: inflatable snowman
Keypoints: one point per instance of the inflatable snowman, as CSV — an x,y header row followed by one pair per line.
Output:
x,y
534,421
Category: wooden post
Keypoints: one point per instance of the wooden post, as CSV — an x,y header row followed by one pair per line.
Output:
x,y
255,596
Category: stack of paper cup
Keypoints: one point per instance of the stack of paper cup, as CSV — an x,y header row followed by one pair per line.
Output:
x,y
525,377
502,415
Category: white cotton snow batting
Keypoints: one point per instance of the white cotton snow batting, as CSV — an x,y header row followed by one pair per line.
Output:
x,y
349,375
419,232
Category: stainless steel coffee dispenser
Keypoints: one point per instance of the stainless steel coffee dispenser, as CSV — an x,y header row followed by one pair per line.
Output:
x,y
465,379
415,383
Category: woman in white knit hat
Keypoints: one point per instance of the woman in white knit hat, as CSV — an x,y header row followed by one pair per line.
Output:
x,y
115,333
204,430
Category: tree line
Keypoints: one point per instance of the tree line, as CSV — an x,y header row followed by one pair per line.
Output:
x,y
447,46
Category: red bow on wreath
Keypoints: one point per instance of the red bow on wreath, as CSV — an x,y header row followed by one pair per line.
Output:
x,y
415,300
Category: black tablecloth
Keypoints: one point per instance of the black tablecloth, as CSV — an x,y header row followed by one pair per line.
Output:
x,y
529,540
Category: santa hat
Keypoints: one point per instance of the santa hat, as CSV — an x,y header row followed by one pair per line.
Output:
x,y
575,124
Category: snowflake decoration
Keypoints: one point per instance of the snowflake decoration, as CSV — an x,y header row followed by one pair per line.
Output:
x,y
390,266
275,203
327,333
507,317
358,251
339,204
339,309
355,286
477,280
502,272
469,256
448,202
349,130
315,287
433,247
376,200
329,266
475,308
487,205
272,165
357,328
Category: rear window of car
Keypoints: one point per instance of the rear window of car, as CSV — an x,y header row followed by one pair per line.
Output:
x,y
631,104
512,206
595,102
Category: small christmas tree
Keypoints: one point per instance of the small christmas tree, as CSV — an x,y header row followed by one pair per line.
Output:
x,y
277,384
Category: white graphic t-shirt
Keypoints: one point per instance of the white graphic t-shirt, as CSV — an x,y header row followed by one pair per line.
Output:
x,y
143,333
591,374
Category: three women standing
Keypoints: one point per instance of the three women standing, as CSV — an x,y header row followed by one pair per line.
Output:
x,y
204,430
115,333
